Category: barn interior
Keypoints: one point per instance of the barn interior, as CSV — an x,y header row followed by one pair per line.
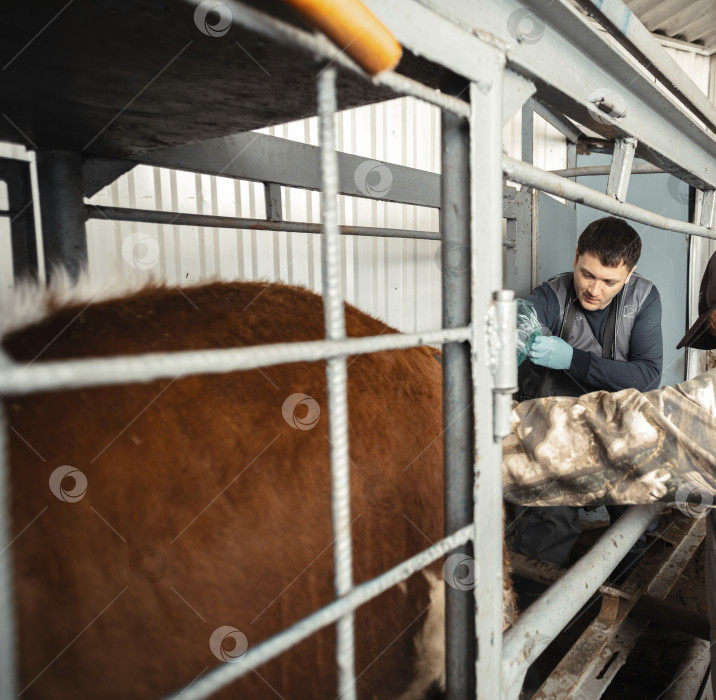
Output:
x,y
181,141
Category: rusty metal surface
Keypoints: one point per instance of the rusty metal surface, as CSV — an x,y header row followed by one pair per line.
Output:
x,y
689,676
592,663
647,607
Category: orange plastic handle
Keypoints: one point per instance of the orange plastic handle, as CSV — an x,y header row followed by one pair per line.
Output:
x,y
353,27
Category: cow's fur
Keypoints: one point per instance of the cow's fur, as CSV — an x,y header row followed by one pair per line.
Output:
x,y
205,508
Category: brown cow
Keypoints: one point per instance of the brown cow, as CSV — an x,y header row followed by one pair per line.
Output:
x,y
155,520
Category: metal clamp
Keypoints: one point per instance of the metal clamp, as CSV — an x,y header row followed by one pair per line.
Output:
x,y
622,161
609,107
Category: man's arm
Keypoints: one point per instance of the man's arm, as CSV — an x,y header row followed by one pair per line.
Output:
x,y
646,354
547,307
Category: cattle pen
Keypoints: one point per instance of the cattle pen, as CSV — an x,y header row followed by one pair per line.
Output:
x,y
589,68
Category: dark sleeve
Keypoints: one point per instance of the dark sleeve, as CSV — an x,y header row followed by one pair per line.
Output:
x,y
642,371
547,307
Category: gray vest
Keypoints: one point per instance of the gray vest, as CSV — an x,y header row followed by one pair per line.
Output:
x,y
536,381
630,301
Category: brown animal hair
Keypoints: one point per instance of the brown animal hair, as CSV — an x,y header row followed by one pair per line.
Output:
x,y
205,506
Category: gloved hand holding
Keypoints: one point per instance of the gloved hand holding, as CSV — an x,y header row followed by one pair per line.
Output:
x,y
551,351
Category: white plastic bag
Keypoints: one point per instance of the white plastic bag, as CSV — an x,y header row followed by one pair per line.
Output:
x,y
528,328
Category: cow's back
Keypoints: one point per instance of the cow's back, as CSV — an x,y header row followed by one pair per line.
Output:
x,y
205,507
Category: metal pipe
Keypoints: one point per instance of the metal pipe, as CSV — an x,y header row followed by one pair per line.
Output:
x,y
638,169
528,175
337,382
148,216
17,379
691,672
545,618
486,250
63,213
269,649
8,640
458,422
647,607
552,182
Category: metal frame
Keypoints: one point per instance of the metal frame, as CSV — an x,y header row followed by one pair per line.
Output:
x,y
520,263
59,176
602,649
459,449
17,177
476,43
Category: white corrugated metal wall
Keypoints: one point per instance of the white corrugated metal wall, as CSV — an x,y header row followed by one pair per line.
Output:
x,y
394,279
397,280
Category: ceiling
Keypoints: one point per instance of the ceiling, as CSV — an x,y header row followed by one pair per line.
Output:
x,y
107,78
693,21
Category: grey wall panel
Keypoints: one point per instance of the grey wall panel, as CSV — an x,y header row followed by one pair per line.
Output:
x,y
557,227
664,258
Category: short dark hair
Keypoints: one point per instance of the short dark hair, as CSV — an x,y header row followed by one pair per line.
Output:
x,y
611,240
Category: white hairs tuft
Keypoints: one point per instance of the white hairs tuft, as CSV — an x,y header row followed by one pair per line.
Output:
x,y
30,302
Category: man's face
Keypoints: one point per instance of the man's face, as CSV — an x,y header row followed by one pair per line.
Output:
x,y
596,284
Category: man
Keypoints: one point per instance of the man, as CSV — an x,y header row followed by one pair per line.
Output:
x,y
702,335
605,325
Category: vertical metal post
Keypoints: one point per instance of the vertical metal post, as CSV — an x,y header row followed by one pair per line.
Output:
x,y
63,212
458,422
571,163
16,174
528,131
703,210
486,248
272,195
708,205
337,381
619,173
571,155
8,678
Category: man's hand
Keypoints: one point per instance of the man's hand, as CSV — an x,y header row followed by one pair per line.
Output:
x,y
551,351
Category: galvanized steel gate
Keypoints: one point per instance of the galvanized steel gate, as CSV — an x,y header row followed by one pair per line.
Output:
x,y
573,70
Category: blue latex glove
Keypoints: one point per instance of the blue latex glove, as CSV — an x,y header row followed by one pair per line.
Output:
x,y
551,351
